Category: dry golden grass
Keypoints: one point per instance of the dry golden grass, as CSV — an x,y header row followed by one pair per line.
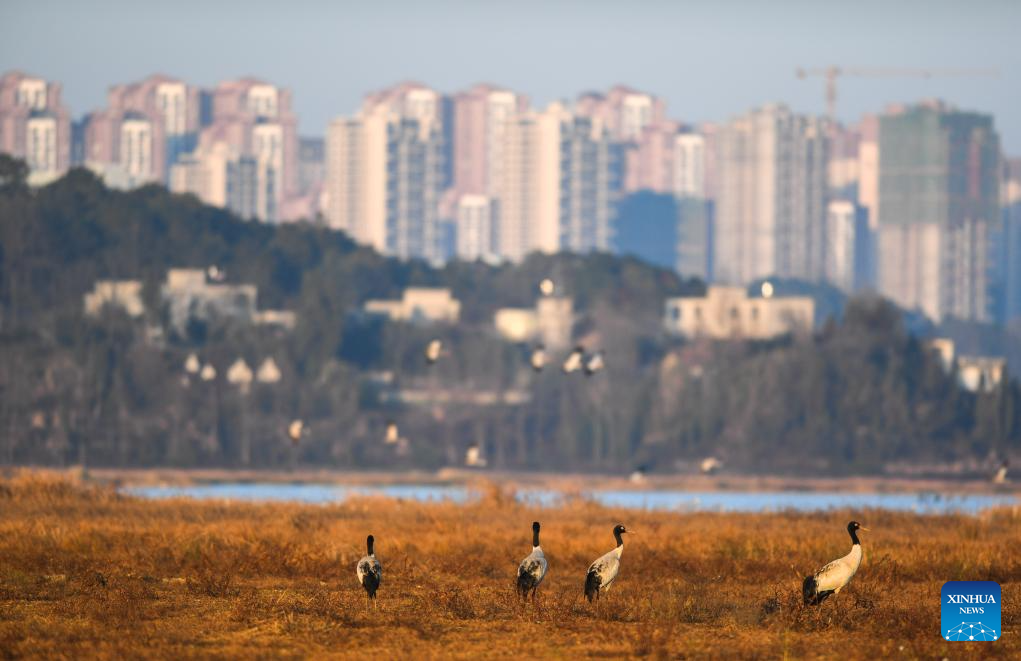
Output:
x,y
87,573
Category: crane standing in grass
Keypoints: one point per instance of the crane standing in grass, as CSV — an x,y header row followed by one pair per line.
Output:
x,y
532,569
369,571
835,576
603,571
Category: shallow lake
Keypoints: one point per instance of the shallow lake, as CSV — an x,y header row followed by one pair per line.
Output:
x,y
682,501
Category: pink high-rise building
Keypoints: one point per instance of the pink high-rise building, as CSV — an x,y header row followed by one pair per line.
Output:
x,y
257,120
649,161
246,158
481,116
626,112
35,125
386,171
144,129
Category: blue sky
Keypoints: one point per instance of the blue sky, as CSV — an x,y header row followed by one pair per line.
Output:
x,y
708,60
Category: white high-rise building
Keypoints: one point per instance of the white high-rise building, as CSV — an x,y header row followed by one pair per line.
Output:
x,y
560,180
172,101
770,209
689,166
41,144
636,112
385,173
136,151
848,245
263,101
32,93
476,219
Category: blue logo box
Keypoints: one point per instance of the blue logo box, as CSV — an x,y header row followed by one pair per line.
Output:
x,y
970,611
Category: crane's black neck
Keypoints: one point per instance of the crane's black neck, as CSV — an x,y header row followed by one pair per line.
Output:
x,y
535,536
854,536
369,543
620,540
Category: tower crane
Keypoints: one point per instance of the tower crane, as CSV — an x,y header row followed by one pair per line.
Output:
x,y
831,74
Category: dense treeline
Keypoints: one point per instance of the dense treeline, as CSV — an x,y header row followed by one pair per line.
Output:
x,y
113,390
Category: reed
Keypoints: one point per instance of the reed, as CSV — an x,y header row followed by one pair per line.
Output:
x,y
85,572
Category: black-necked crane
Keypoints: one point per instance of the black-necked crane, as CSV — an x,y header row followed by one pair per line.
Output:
x,y
1000,476
574,361
538,358
369,571
295,431
532,569
710,466
594,363
433,351
603,571
835,576
392,435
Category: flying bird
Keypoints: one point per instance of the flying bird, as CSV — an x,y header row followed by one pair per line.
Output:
x,y
835,576
532,569
710,465
574,362
433,351
295,430
392,435
594,363
604,570
538,358
369,571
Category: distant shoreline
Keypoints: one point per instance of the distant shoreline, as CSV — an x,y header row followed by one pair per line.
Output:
x,y
564,482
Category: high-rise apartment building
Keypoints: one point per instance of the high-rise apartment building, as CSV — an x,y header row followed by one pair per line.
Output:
x,y
624,112
938,207
636,120
385,172
480,119
868,168
844,161
144,129
770,207
476,227
848,256
35,125
649,160
246,157
695,238
561,178
1008,246
689,164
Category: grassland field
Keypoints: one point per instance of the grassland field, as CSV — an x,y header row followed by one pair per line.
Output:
x,y
88,573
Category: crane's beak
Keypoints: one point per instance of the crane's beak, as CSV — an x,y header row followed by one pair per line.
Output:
x,y
863,528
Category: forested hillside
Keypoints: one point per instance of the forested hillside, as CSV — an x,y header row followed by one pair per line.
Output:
x,y
112,390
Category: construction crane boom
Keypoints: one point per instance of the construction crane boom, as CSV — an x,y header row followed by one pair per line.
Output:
x,y
830,74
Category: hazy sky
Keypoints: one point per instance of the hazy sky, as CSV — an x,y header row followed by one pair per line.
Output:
x,y
708,60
